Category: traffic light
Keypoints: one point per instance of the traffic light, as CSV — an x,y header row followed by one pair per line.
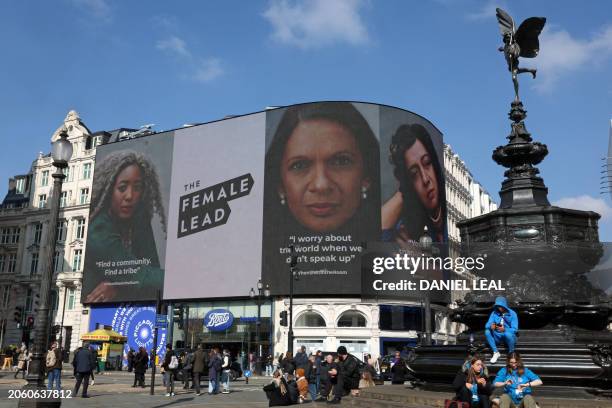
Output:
x,y
30,322
55,329
283,318
19,315
177,316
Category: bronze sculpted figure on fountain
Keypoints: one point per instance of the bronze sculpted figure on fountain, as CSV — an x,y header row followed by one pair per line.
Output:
x,y
519,43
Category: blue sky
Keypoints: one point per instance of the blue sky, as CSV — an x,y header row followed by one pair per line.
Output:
x,y
130,63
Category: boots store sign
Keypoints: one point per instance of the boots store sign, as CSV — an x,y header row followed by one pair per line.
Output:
x,y
218,320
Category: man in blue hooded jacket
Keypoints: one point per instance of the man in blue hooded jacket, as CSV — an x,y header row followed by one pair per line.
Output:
x,y
501,327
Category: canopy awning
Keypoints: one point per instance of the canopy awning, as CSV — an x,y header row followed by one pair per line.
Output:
x,y
104,335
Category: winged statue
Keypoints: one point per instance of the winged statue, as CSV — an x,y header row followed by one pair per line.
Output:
x,y
522,42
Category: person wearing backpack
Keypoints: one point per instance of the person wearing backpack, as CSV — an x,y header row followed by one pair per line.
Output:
x,y
226,373
53,363
169,367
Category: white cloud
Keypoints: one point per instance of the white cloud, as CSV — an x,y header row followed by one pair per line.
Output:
x,y
587,203
207,70
174,45
195,67
97,8
317,23
561,54
487,11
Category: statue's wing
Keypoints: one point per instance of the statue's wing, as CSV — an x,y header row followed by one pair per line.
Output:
x,y
506,24
527,36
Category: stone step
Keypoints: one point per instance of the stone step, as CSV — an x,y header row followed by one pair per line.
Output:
x,y
397,396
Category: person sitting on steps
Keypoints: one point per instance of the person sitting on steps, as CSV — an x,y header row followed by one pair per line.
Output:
x,y
502,327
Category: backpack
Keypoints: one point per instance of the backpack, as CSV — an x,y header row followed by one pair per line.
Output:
x,y
51,359
217,364
174,363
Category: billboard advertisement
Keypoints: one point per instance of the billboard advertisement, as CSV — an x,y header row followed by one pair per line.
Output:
x,y
205,211
137,323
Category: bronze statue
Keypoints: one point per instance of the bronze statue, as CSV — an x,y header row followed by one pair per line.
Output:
x,y
519,43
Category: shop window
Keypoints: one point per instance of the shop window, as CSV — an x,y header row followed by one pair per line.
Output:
x,y
310,319
352,318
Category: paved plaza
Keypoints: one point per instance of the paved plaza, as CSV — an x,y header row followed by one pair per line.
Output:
x,y
115,390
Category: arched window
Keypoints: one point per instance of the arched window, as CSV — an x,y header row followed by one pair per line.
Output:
x,y
352,318
310,319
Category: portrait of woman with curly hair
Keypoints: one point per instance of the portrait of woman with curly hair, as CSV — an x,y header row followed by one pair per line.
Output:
x,y
121,251
419,204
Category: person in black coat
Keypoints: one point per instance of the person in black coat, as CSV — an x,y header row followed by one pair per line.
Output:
x,y
349,373
141,362
288,364
399,370
83,367
130,360
277,391
472,385
329,375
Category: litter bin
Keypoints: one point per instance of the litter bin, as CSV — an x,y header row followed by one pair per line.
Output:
x,y
101,365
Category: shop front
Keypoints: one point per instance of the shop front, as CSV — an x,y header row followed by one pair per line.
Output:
x,y
231,325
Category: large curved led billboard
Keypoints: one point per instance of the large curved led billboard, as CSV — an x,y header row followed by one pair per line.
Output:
x,y
205,211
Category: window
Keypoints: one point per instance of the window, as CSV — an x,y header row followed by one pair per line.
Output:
x,y
34,264
58,261
80,228
84,197
12,263
86,171
66,172
310,319
44,180
6,295
2,262
352,319
28,301
64,199
42,200
60,230
5,235
71,297
76,260
37,232
20,187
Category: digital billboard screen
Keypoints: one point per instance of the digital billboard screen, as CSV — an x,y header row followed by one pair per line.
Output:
x,y
205,211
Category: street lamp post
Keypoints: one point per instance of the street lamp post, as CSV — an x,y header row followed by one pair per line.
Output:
x,y
61,153
427,245
258,353
292,276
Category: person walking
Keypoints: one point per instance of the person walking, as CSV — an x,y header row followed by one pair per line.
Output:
x,y
199,362
226,373
141,362
170,366
53,364
22,361
83,368
187,368
130,360
7,364
94,363
214,369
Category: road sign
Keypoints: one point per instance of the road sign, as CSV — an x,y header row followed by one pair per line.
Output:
x,y
161,320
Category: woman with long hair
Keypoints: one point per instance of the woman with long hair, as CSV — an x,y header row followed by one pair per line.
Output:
x,y
420,201
126,195
472,385
517,381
